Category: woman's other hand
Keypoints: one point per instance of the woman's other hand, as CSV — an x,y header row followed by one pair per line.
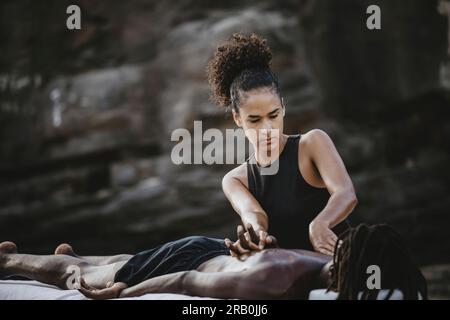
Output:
x,y
322,238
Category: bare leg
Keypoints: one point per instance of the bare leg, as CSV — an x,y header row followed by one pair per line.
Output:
x,y
67,249
58,270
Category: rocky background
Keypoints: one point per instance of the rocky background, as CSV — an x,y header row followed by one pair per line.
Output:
x,y
86,116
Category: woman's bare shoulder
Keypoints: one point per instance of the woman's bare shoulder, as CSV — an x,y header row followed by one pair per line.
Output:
x,y
239,173
314,136
314,143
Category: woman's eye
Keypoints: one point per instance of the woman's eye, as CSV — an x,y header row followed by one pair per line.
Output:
x,y
257,120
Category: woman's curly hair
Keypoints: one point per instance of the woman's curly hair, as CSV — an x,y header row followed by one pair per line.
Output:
x,y
240,63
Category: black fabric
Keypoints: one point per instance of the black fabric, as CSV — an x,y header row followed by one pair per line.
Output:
x,y
289,201
180,255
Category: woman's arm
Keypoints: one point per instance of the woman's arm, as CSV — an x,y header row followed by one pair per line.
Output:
x,y
234,185
326,159
253,216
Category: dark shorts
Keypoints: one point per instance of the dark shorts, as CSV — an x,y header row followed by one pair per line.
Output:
x,y
180,255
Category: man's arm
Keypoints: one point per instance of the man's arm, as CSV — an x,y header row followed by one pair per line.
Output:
x,y
257,283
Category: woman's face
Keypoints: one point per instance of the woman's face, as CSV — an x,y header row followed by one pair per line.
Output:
x,y
261,114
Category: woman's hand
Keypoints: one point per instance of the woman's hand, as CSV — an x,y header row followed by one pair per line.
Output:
x,y
249,240
322,238
111,291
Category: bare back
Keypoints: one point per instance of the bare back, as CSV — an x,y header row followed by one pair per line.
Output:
x,y
225,263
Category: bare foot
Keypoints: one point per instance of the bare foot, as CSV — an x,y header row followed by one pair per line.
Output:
x,y
65,248
8,247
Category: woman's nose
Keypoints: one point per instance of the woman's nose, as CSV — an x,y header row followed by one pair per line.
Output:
x,y
266,125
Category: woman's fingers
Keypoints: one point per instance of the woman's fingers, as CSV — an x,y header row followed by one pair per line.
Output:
x,y
326,251
331,241
242,250
248,240
245,239
271,241
333,236
241,236
235,248
242,244
326,248
253,236
228,244
252,245
323,238
262,239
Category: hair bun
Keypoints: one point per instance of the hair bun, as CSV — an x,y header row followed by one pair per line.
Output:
x,y
235,55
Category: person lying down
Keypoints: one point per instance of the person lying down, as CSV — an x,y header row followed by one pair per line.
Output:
x,y
202,266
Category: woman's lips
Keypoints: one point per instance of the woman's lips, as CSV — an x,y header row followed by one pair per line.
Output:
x,y
268,141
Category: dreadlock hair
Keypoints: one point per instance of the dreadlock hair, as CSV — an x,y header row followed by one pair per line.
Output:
x,y
240,64
374,245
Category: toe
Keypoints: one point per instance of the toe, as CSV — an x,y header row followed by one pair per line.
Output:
x,y
8,247
65,248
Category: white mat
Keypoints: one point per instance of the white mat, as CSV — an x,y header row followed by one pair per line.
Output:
x,y
33,290
322,294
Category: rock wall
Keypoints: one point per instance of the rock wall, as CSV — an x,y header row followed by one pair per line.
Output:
x,y
86,116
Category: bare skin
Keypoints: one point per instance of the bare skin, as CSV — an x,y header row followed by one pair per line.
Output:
x,y
52,269
319,163
67,249
267,274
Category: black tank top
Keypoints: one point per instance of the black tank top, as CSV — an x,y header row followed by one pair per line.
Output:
x,y
289,201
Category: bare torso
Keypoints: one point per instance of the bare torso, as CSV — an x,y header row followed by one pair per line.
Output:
x,y
226,263
298,271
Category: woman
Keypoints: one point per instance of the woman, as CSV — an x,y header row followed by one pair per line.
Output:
x,y
307,201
